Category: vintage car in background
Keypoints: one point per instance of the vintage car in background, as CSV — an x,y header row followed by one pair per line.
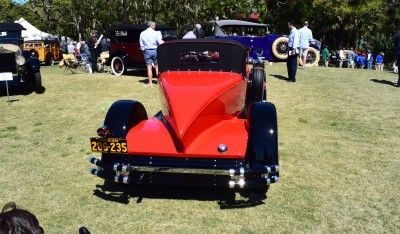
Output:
x,y
125,48
48,50
17,65
256,36
215,127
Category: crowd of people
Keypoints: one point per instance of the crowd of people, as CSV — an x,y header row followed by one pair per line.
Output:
x,y
88,50
298,44
353,59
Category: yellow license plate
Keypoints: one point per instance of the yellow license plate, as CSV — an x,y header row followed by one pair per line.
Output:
x,y
109,145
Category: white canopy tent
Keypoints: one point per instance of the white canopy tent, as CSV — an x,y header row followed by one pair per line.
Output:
x,y
32,33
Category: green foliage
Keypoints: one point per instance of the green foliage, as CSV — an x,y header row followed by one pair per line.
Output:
x,y
336,23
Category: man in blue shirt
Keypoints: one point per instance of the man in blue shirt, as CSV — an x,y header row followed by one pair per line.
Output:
x,y
149,41
305,38
379,62
293,44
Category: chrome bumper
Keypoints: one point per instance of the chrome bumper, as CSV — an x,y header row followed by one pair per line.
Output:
x,y
240,177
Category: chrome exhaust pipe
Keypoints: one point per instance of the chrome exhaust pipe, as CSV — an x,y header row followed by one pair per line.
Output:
x,y
100,163
118,178
252,183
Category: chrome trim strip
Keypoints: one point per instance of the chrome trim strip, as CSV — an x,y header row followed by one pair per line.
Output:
x,y
182,170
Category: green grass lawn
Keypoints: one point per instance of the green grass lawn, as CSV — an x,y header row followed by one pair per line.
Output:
x,y
339,146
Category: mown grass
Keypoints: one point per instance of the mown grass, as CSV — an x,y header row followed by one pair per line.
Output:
x,y
339,134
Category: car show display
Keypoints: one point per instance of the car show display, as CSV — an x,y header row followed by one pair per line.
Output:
x,y
15,63
257,36
215,127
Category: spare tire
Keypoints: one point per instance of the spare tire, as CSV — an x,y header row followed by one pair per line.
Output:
x,y
280,47
312,57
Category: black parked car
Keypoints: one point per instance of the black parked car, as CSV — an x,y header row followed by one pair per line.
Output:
x,y
18,65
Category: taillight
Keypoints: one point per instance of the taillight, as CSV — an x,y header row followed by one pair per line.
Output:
x,y
103,131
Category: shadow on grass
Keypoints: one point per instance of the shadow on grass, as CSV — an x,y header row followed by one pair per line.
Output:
x,y
280,77
384,82
224,197
137,72
23,88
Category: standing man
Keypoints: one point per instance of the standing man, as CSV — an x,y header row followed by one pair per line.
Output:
x,y
189,33
397,46
341,57
200,32
149,41
325,56
305,38
92,44
350,58
293,43
379,62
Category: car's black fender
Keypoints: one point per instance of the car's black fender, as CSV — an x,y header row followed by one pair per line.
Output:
x,y
123,115
34,64
262,146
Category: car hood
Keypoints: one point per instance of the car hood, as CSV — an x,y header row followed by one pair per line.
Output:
x,y
195,101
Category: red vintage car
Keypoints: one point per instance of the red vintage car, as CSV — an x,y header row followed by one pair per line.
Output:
x,y
215,127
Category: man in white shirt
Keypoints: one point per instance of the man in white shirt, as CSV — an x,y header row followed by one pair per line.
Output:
x,y
305,38
189,33
71,47
293,44
149,41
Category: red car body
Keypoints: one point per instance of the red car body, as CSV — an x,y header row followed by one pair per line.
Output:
x,y
210,117
215,126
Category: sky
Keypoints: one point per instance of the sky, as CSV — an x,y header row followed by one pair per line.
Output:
x,y
19,1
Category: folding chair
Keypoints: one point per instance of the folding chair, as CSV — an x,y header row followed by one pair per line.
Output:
x,y
81,59
102,60
71,63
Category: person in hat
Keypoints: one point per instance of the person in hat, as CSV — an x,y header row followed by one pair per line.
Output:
x,y
92,44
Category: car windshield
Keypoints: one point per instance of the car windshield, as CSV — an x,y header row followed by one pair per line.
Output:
x,y
168,34
199,57
240,30
9,38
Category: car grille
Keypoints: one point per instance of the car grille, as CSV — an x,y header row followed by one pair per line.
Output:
x,y
7,62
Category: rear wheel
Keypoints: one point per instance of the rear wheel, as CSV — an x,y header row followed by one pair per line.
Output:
x,y
117,66
50,61
280,47
257,85
312,57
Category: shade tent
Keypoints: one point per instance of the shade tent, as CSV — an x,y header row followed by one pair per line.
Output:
x,y
32,33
